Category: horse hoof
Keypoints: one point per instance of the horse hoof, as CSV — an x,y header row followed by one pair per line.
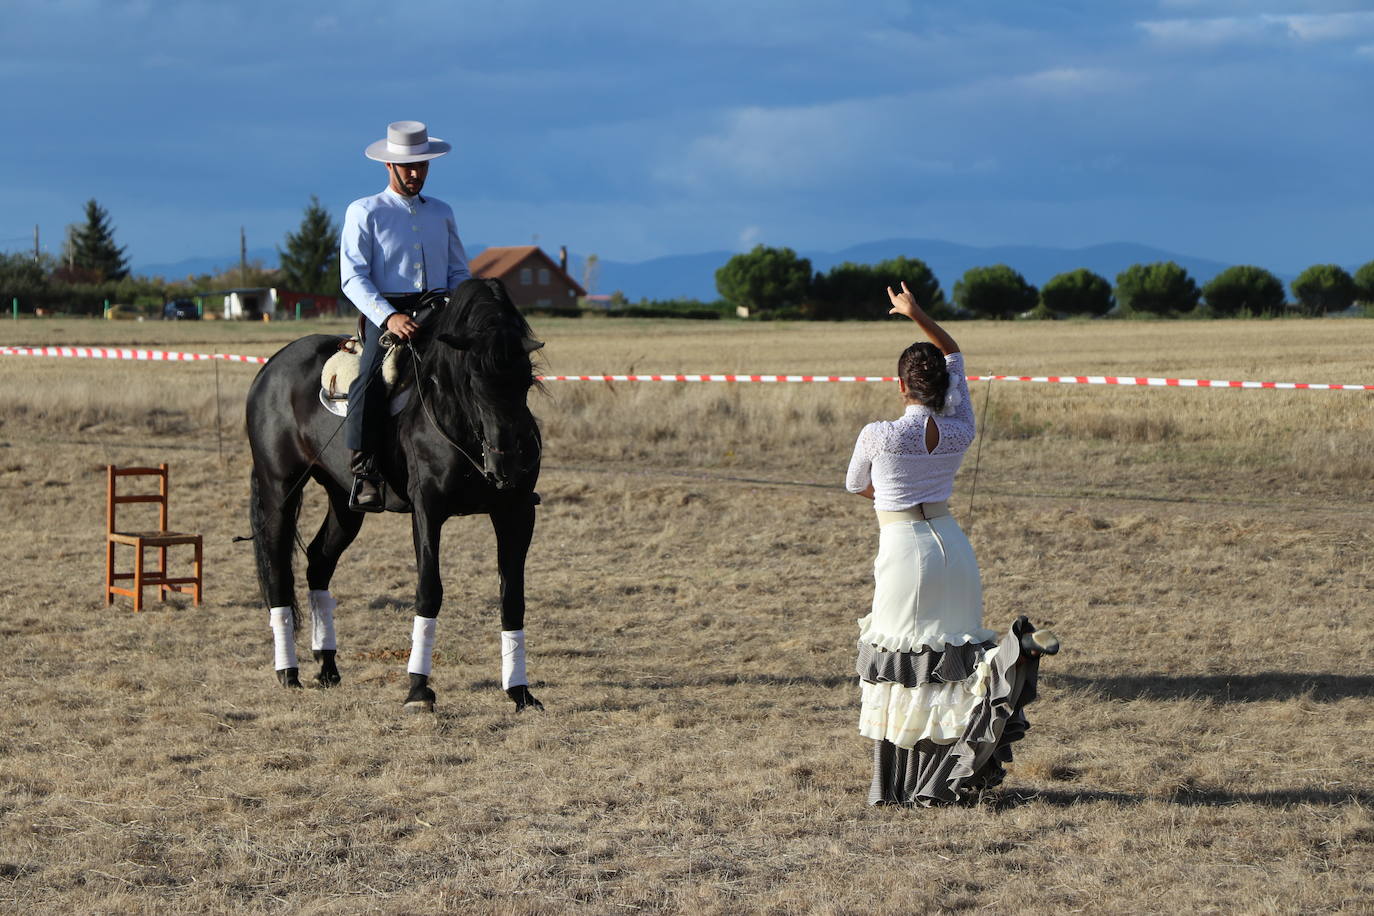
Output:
x,y
421,696
289,677
523,698
329,671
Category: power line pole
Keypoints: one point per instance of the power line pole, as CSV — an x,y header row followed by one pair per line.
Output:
x,y
243,258
35,243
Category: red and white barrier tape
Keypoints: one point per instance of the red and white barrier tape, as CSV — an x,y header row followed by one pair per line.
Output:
x,y
1141,381
1060,379
120,353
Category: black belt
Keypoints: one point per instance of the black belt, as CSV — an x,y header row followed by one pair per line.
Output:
x,y
405,302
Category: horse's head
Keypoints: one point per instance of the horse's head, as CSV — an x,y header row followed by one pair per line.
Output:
x,y
491,377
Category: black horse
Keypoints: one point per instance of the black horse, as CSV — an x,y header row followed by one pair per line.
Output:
x,y
464,443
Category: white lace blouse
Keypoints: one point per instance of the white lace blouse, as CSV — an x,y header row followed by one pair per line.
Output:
x,y
891,454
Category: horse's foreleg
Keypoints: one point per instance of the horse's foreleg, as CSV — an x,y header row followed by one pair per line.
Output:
x,y
429,595
340,527
273,512
514,530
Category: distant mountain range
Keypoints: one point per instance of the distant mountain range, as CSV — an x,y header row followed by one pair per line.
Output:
x,y
694,275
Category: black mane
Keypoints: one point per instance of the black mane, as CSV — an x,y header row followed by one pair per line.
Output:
x,y
482,318
478,306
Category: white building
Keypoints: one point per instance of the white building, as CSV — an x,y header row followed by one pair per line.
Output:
x,y
250,304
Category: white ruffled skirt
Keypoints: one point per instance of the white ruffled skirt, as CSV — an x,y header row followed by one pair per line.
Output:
x,y
938,689
927,589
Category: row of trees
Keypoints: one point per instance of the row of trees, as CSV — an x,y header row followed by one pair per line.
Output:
x,y
775,282
93,268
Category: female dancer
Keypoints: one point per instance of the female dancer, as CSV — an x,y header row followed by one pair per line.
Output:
x,y
942,696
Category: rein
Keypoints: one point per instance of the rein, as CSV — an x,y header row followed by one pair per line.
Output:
x,y
420,378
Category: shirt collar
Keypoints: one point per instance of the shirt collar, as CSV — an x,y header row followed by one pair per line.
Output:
x,y
400,198
913,409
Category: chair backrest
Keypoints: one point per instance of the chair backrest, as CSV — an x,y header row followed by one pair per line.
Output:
x,y
113,499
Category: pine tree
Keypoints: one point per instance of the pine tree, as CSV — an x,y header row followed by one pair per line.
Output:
x,y
92,246
310,261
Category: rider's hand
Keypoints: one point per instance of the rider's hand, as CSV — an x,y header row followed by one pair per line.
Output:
x,y
903,303
401,325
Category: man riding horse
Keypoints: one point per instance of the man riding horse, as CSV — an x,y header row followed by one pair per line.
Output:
x,y
396,245
465,444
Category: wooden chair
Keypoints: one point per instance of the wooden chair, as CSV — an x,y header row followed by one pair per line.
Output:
x,y
161,539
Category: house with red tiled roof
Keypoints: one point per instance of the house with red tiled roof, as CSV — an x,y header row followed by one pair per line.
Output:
x,y
532,278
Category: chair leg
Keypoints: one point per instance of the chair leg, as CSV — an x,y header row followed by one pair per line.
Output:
x,y
138,578
162,590
198,571
109,572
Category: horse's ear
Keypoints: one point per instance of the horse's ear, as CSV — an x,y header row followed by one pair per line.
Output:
x,y
531,344
456,342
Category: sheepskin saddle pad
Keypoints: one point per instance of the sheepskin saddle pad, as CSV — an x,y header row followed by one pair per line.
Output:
x,y
342,368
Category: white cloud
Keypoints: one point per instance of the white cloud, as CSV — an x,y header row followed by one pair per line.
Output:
x,y
1072,79
801,147
1223,30
749,237
1328,27
1306,27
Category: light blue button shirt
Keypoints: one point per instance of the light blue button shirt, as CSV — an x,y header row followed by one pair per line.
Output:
x,y
393,245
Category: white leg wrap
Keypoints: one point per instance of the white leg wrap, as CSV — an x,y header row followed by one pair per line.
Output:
x,y
283,638
513,659
322,606
422,646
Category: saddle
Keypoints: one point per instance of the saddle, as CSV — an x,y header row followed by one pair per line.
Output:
x,y
342,368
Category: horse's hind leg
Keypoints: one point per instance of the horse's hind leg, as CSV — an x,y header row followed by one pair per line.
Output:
x,y
273,509
340,527
514,528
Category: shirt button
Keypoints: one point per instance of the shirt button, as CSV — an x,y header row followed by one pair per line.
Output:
x,y
417,284
415,228
417,244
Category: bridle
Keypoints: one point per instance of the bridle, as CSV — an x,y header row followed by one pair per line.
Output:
x,y
421,377
417,363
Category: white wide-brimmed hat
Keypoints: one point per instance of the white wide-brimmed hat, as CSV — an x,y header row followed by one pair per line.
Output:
x,y
407,141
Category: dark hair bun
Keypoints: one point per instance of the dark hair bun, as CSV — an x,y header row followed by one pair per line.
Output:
x,y
922,366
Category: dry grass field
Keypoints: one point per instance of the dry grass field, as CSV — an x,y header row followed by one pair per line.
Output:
x,y
1203,744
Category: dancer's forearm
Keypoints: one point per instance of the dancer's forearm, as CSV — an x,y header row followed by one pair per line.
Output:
x,y
904,303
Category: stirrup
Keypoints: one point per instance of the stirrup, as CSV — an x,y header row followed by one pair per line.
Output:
x,y
354,503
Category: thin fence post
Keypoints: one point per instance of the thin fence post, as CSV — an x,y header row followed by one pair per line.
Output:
x,y
219,436
105,312
298,311
15,307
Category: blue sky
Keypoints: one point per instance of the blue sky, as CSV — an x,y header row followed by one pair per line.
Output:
x,y
1238,130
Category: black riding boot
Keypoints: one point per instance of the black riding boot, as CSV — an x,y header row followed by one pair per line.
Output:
x,y
366,495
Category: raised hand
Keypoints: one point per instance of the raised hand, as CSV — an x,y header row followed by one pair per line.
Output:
x,y
903,303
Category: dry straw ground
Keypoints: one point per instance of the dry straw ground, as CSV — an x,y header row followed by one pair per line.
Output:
x,y
1203,744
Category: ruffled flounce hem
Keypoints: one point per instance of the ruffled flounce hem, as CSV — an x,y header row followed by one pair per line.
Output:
x,y
912,669
933,711
984,715
932,638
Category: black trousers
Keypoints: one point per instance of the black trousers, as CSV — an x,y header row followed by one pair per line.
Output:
x,y
367,400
